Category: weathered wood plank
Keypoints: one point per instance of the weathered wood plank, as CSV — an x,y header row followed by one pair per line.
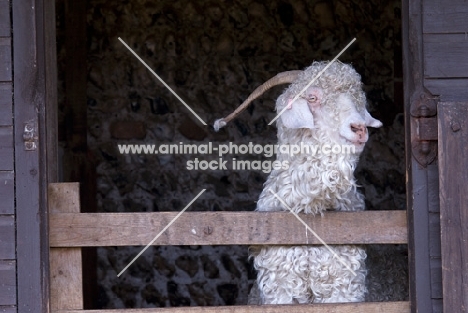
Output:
x,y
445,22
6,148
436,278
448,89
8,283
445,6
433,188
8,309
7,237
5,59
434,235
220,228
453,171
30,166
417,177
445,16
7,192
445,56
5,26
66,280
6,101
365,307
437,306
51,102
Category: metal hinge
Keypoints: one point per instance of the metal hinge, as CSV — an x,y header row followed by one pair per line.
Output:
x,y
424,127
30,135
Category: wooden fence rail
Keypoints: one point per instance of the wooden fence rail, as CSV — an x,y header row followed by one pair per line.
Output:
x,y
71,230
366,307
225,228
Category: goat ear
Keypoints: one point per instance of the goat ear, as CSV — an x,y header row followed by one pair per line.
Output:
x,y
372,122
298,115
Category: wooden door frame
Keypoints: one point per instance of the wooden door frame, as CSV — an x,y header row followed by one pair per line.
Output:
x,y
36,99
35,102
422,182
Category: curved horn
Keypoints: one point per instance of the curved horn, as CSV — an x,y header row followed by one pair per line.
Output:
x,y
281,78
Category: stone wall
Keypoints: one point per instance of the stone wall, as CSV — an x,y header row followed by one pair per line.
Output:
x,y
213,54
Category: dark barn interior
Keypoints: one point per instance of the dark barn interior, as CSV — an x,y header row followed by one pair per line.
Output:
x,y
212,54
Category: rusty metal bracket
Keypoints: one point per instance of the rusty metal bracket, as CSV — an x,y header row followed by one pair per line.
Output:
x,y
424,127
30,135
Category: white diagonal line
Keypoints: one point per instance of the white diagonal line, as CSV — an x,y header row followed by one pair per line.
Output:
x,y
161,232
313,80
162,81
314,233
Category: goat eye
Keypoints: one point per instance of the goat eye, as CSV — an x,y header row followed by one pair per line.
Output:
x,y
309,98
312,98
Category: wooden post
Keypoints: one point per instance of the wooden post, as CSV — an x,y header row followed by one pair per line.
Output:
x,y
453,177
66,279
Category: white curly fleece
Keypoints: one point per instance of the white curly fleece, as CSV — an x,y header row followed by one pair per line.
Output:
x,y
313,184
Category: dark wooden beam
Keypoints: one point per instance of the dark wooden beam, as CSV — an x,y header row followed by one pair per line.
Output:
x,y
30,84
78,162
417,177
75,75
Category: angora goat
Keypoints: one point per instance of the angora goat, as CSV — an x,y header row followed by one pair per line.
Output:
x,y
332,111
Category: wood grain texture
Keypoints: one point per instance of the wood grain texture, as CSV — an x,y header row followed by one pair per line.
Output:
x,y
417,182
7,237
30,166
5,26
434,235
5,59
8,309
66,280
6,148
51,102
222,228
448,89
445,16
436,278
445,56
7,192
453,177
6,104
7,227
437,305
433,190
64,198
29,276
8,283
365,307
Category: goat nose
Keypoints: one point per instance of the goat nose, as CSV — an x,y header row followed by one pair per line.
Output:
x,y
359,129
